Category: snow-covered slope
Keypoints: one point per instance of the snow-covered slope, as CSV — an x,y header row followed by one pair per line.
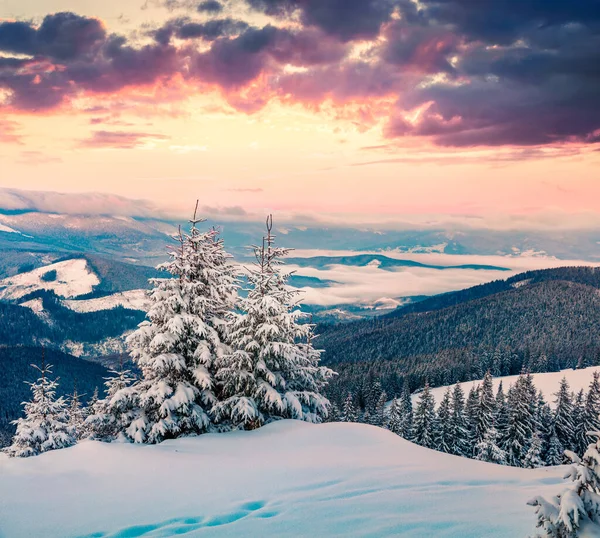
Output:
x,y
73,278
548,383
287,479
134,299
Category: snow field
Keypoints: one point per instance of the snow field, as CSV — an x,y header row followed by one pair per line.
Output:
x,y
286,479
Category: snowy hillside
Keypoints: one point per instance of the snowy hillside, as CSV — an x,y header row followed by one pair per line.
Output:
x,y
69,278
546,382
286,479
134,299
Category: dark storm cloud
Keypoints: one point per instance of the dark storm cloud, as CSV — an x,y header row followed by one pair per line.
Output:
x,y
210,6
184,28
62,36
344,19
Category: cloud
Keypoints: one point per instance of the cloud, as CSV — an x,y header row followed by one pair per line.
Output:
x,y
9,132
76,203
119,139
35,158
455,73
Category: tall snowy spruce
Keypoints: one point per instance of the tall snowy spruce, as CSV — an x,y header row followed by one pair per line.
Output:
x,y
273,370
424,420
178,346
459,444
406,414
563,416
45,425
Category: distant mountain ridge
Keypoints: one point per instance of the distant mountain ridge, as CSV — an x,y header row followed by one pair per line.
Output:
x,y
554,311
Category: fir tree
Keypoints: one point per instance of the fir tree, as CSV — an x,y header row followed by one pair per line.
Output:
x,y
176,349
273,371
459,442
533,458
471,411
579,504
563,416
485,410
555,452
424,420
76,415
406,414
591,412
580,439
45,424
379,417
488,450
444,441
349,413
521,420
108,418
501,415
394,423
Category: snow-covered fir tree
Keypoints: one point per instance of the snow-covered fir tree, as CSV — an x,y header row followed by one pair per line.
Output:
x,y
485,410
394,421
471,411
444,429
349,413
501,414
580,438
76,415
555,451
575,511
45,425
273,371
109,418
533,458
424,420
563,415
178,346
379,417
591,411
459,444
406,413
488,450
521,420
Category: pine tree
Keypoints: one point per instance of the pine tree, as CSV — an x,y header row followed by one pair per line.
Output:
x,y
471,411
533,458
444,430
109,418
501,415
45,424
459,442
379,417
580,439
270,374
349,413
177,347
76,416
485,410
424,420
488,450
563,416
591,412
394,423
579,504
546,428
521,420
406,414
555,452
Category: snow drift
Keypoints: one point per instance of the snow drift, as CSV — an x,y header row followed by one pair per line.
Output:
x,y
286,479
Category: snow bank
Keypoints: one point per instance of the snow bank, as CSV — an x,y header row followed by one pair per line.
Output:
x,y
287,479
73,278
134,299
548,383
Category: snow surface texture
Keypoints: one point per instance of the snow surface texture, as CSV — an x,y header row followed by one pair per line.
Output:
x,y
548,383
286,479
134,299
73,278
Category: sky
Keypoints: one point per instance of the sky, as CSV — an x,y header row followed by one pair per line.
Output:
x,y
344,109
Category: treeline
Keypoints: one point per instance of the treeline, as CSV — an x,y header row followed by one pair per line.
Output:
x,y
557,318
21,326
517,427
